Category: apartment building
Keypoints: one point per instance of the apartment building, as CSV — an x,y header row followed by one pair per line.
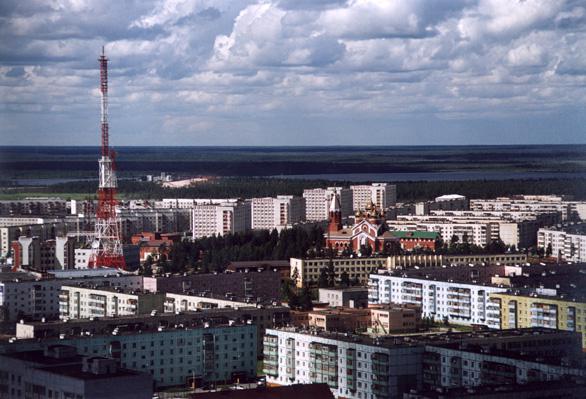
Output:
x,y
382,195
200,353
455,302
317,202
263,285
263,317
85,301
59,372
568,242
220,219
188,203
461,365
44,230
277,213
533,309
33,206
570,210
306,271
28,296
478,230
352,366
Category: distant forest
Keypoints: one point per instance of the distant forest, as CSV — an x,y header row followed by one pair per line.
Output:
x,y
249,187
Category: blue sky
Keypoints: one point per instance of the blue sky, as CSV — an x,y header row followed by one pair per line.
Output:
x,y
294,72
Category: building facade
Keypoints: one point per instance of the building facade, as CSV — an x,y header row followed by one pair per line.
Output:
x,y
459,303
220,219
58,372
523,311
352,367
383,195
568,244
317,202
277,213
84,301
26,296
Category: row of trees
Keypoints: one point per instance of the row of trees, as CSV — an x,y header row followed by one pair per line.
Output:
x,y
249,187
214,253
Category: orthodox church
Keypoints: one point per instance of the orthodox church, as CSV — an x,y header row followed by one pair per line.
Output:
x,y
369,229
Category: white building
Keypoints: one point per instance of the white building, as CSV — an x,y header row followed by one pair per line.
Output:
x,y
352,366
532,203
317,201
568,243
85,301
277,213
459,303
187,203
477,233
27,295
220,219
513,228
382,195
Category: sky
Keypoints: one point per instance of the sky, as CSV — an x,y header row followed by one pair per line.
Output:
x,y
294,72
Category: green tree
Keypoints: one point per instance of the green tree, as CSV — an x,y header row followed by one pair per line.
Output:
x,y
345,279
331,274
548,250
323,280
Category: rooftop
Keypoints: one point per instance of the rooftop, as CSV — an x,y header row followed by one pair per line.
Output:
x,y
423,235
431,338
283,392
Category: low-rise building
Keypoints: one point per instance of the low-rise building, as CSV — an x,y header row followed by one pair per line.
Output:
x,y
424,261
393,318
338,319
59,372
416,240
306,271
351,297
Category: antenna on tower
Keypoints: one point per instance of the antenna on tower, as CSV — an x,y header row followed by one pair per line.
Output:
x,y
107,245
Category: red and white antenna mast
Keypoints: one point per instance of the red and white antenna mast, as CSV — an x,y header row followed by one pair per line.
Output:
x,y
107,245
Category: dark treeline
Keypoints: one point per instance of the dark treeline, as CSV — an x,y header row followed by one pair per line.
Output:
x,y
215,253
248,187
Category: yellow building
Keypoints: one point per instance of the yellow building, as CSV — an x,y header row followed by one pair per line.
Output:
x,y
520,311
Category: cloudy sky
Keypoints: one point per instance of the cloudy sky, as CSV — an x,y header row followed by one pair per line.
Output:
x,y
294,72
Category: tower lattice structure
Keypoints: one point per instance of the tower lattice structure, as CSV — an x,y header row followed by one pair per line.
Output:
x,y
107,244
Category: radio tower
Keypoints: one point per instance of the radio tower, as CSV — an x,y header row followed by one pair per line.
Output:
x,y
107,245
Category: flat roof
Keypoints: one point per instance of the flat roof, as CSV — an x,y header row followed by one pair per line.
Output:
x,y
431,338
75,371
